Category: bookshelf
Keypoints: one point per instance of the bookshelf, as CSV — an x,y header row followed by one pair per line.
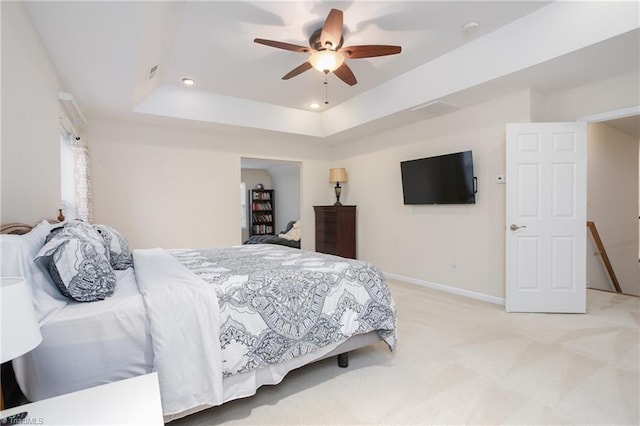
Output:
x,y
262,215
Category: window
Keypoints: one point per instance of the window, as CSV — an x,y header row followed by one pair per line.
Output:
x,y
243,205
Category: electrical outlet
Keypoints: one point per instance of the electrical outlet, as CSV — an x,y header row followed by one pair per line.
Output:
x,y
454,265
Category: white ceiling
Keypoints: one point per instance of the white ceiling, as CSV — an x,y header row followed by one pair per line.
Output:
x,y
103,52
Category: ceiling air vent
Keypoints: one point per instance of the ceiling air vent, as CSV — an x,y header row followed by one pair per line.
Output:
x,y
435,108
152,72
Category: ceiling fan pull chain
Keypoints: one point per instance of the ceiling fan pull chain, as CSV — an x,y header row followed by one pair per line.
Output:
x,y
326,90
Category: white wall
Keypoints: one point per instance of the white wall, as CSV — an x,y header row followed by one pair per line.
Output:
x,y
175,187
253,177
612,204
30,151
286,180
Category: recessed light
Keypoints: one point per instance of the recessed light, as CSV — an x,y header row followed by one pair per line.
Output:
x,y
188,81
314,105
470,27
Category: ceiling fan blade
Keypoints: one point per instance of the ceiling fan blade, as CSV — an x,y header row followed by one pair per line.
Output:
x,y
283,45
332,30
345,74
298,70
369,51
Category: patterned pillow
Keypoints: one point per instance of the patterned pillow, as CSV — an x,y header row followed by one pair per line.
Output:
x,y
78,262
119,254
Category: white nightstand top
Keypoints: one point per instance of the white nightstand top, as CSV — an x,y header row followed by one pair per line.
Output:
x,y
134,401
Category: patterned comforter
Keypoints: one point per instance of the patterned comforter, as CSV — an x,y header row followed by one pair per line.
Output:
x,y
277,303
219,312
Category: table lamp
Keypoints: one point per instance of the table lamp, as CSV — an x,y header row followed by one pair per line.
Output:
x,y
336,176
19,330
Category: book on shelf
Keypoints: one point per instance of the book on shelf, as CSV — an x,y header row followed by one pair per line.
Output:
x,y
261,206
262,229
261,195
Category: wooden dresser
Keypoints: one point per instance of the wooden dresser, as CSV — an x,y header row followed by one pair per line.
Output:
x,y
336,230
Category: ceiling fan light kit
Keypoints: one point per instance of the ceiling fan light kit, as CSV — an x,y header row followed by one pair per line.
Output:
x,y
326,61
326,53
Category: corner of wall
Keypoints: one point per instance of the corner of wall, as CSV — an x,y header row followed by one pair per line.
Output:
x,y
537,106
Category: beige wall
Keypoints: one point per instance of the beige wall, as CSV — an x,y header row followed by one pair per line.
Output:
x,y
174,187
30,148
253,177
603,96
177,187
612,203
422,242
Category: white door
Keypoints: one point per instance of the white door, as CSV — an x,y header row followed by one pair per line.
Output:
x,y
546,217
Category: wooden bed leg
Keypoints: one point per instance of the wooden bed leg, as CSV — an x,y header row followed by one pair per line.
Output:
x,y
343,360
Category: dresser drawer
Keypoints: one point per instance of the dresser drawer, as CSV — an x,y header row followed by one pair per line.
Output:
x,y
327,248
326,237
327,226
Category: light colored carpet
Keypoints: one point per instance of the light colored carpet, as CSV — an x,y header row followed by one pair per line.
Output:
x,y
462,361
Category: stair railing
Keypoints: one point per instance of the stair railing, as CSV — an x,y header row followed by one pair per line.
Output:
x,y
603,255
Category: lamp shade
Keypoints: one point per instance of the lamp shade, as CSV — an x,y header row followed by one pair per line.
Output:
x,y
337,175
19,330
326,60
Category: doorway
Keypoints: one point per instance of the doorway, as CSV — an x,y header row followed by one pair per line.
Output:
x,y
280,175
613,198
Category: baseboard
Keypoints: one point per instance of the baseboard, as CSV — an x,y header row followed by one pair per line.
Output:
x,y
448,289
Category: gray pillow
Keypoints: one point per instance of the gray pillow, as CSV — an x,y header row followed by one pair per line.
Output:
x,y
78,262
119,254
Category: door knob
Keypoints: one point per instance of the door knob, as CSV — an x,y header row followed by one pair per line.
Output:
x,y
516,227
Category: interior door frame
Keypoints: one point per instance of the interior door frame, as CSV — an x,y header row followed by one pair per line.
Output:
x,y
606,116
610,115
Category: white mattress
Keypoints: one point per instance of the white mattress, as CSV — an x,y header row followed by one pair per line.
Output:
x,y
88,344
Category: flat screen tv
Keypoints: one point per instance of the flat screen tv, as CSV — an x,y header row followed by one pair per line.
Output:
x,y
443,179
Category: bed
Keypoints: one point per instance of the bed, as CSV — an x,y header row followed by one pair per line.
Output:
x,y
215,323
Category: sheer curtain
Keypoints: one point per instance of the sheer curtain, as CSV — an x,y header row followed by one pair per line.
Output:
x,y
75,178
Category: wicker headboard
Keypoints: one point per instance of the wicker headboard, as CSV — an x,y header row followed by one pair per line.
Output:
x,y
15,228
23,228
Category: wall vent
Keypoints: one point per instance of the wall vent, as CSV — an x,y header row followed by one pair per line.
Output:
x,y
435,108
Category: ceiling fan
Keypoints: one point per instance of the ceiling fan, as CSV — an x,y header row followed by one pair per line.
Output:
x,y
326,51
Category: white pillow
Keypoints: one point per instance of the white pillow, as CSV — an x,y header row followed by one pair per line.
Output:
x,y
18,253
293,234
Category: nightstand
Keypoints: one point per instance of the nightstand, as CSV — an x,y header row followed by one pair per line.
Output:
x,y
134,401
